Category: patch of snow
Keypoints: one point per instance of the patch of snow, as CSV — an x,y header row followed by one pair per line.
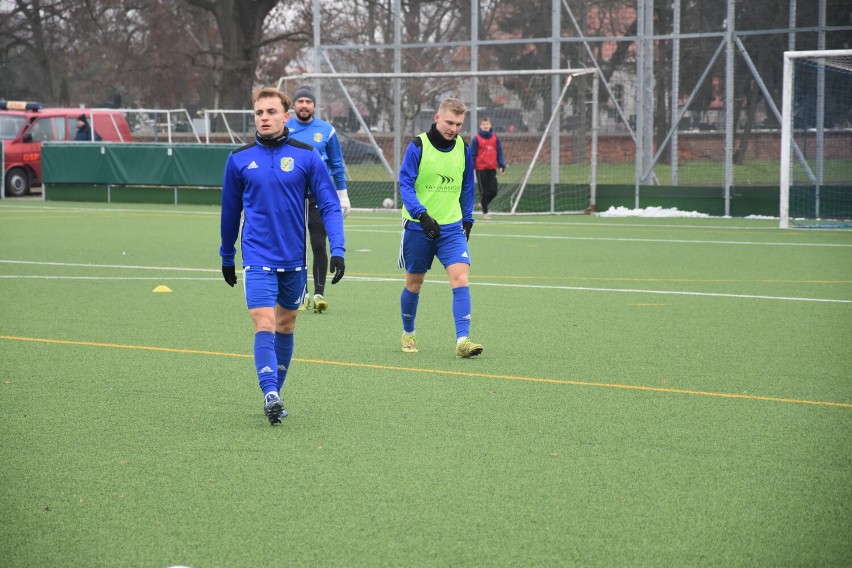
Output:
x,y
649,212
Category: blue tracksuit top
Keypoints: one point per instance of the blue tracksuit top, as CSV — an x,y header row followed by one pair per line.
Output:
x,y
264,189
410,168
321,135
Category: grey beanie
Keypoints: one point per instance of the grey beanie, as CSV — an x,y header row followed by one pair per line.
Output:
x,y
304,92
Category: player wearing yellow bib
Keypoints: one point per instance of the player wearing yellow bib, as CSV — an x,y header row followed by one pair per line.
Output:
x,y
436,184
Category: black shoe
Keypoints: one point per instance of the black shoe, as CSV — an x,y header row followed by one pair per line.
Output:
x,y
273,407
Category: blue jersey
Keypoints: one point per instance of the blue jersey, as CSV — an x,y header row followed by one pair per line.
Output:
x,y
321,135
409,171
265,186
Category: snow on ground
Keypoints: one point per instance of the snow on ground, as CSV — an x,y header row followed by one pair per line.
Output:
x,y
648,212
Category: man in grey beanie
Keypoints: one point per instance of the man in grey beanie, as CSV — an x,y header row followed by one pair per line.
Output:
x,y
307,128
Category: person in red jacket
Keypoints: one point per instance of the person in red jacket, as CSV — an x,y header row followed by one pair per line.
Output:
x,y
487,153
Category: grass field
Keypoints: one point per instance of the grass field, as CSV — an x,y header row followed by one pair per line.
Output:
x,y
653,392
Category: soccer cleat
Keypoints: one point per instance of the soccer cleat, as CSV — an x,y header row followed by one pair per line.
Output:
x,y
306,305
273,407
409,343
468,348
320,304
486,216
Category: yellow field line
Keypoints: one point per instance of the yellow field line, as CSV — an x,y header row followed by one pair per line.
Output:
x,y
443,372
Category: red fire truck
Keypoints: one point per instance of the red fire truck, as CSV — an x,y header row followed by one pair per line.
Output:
x,y
25,125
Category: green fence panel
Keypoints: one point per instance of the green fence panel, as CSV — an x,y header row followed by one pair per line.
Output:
x,y
201,165
709,200
199,195
148,164
613,195
135,164
755,200
72,192
81,162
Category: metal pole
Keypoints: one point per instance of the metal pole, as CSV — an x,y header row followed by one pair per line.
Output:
x,y
820,114
730,106
595,126
315,7
474,65
397,96
675,96
640,98
555,63
648,98
791,37
786,132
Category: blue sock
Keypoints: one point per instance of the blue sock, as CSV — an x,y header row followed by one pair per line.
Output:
x,y
284,344
461,310
264,361
408,308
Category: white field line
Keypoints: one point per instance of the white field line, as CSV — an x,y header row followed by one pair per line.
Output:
x,y
66,209
392,280
127,266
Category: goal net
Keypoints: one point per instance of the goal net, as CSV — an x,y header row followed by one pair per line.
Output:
x,y
545,120
816,139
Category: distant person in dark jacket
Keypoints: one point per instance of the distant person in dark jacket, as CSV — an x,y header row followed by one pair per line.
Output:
x,y
84,131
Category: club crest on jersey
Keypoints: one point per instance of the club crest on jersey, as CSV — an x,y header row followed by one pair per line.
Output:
x,y
317,136
287,164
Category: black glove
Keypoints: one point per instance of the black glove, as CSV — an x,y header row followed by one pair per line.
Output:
x,y
430,227
468,225
338,267
230,274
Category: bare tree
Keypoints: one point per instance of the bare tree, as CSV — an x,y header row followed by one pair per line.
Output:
x,y
240,26
29,35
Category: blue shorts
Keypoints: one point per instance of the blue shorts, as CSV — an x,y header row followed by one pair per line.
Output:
x,y
264,288
416,251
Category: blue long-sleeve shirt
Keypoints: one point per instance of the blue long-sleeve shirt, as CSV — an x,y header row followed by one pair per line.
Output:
x,y
322,136
265,184
408,174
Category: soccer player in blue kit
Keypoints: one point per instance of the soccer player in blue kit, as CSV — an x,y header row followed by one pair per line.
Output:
x,y
436,187
306,127
264,194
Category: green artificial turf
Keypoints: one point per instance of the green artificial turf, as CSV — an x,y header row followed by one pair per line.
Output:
x,y
652,392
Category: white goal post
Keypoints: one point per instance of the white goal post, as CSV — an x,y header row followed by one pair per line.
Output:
x,y
546,120
816,139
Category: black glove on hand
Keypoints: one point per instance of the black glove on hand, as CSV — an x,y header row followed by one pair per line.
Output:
x,y
430,227
338,267
468,225
230,274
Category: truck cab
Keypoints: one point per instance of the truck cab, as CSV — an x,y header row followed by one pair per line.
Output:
x,y
25,125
